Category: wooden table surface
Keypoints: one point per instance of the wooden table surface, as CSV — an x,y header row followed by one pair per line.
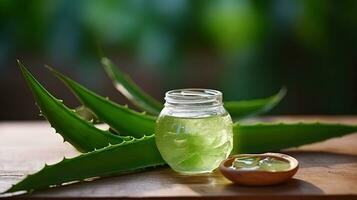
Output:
x,y
327,169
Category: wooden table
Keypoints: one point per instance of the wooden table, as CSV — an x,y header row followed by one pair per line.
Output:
x,y
328,170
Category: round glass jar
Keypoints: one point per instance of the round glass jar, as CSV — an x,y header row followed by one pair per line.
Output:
x,y
194,131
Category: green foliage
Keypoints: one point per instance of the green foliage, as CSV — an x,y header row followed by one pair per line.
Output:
x,y
237,109
130,154
265,137
130,90
243,109
256,46
80,133
120,118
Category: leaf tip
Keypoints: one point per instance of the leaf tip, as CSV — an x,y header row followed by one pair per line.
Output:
x,y
49,67
55,72
19,63
283,91
105,61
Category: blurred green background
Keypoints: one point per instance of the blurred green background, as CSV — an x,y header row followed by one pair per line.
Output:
x,y
247,49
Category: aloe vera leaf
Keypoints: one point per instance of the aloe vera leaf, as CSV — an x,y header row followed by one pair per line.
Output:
x,y
120,118
142,153
130,90
263,137
237,109
247,108
248,139
130,156
80,133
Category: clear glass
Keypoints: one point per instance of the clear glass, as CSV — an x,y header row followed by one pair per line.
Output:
x,y
194,131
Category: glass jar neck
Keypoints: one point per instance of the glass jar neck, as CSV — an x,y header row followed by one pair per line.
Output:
x,y
193,99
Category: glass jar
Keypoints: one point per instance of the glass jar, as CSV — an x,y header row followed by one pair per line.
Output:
x,y
194,131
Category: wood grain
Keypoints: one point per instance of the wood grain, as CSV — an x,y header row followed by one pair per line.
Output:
x,y
327,169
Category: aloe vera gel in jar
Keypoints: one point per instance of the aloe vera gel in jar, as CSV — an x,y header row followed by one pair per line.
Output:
x,y
194,131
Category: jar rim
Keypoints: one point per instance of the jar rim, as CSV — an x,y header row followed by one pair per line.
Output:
x,y
189,97
193,92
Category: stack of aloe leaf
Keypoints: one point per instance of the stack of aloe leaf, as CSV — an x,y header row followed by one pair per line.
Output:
x,y
129,144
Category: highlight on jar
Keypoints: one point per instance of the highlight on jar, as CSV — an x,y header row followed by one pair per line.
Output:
x,y
194,131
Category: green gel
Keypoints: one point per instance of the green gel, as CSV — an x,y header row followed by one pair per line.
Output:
x,y
270,164
194,145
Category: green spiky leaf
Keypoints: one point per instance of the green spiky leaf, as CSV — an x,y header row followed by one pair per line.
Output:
x,y
264,137
237,109
243,109
129,156
80,133
120,118
130,90
136,154
142,153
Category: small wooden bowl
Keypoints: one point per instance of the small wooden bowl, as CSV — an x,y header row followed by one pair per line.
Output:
x,y
259,178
